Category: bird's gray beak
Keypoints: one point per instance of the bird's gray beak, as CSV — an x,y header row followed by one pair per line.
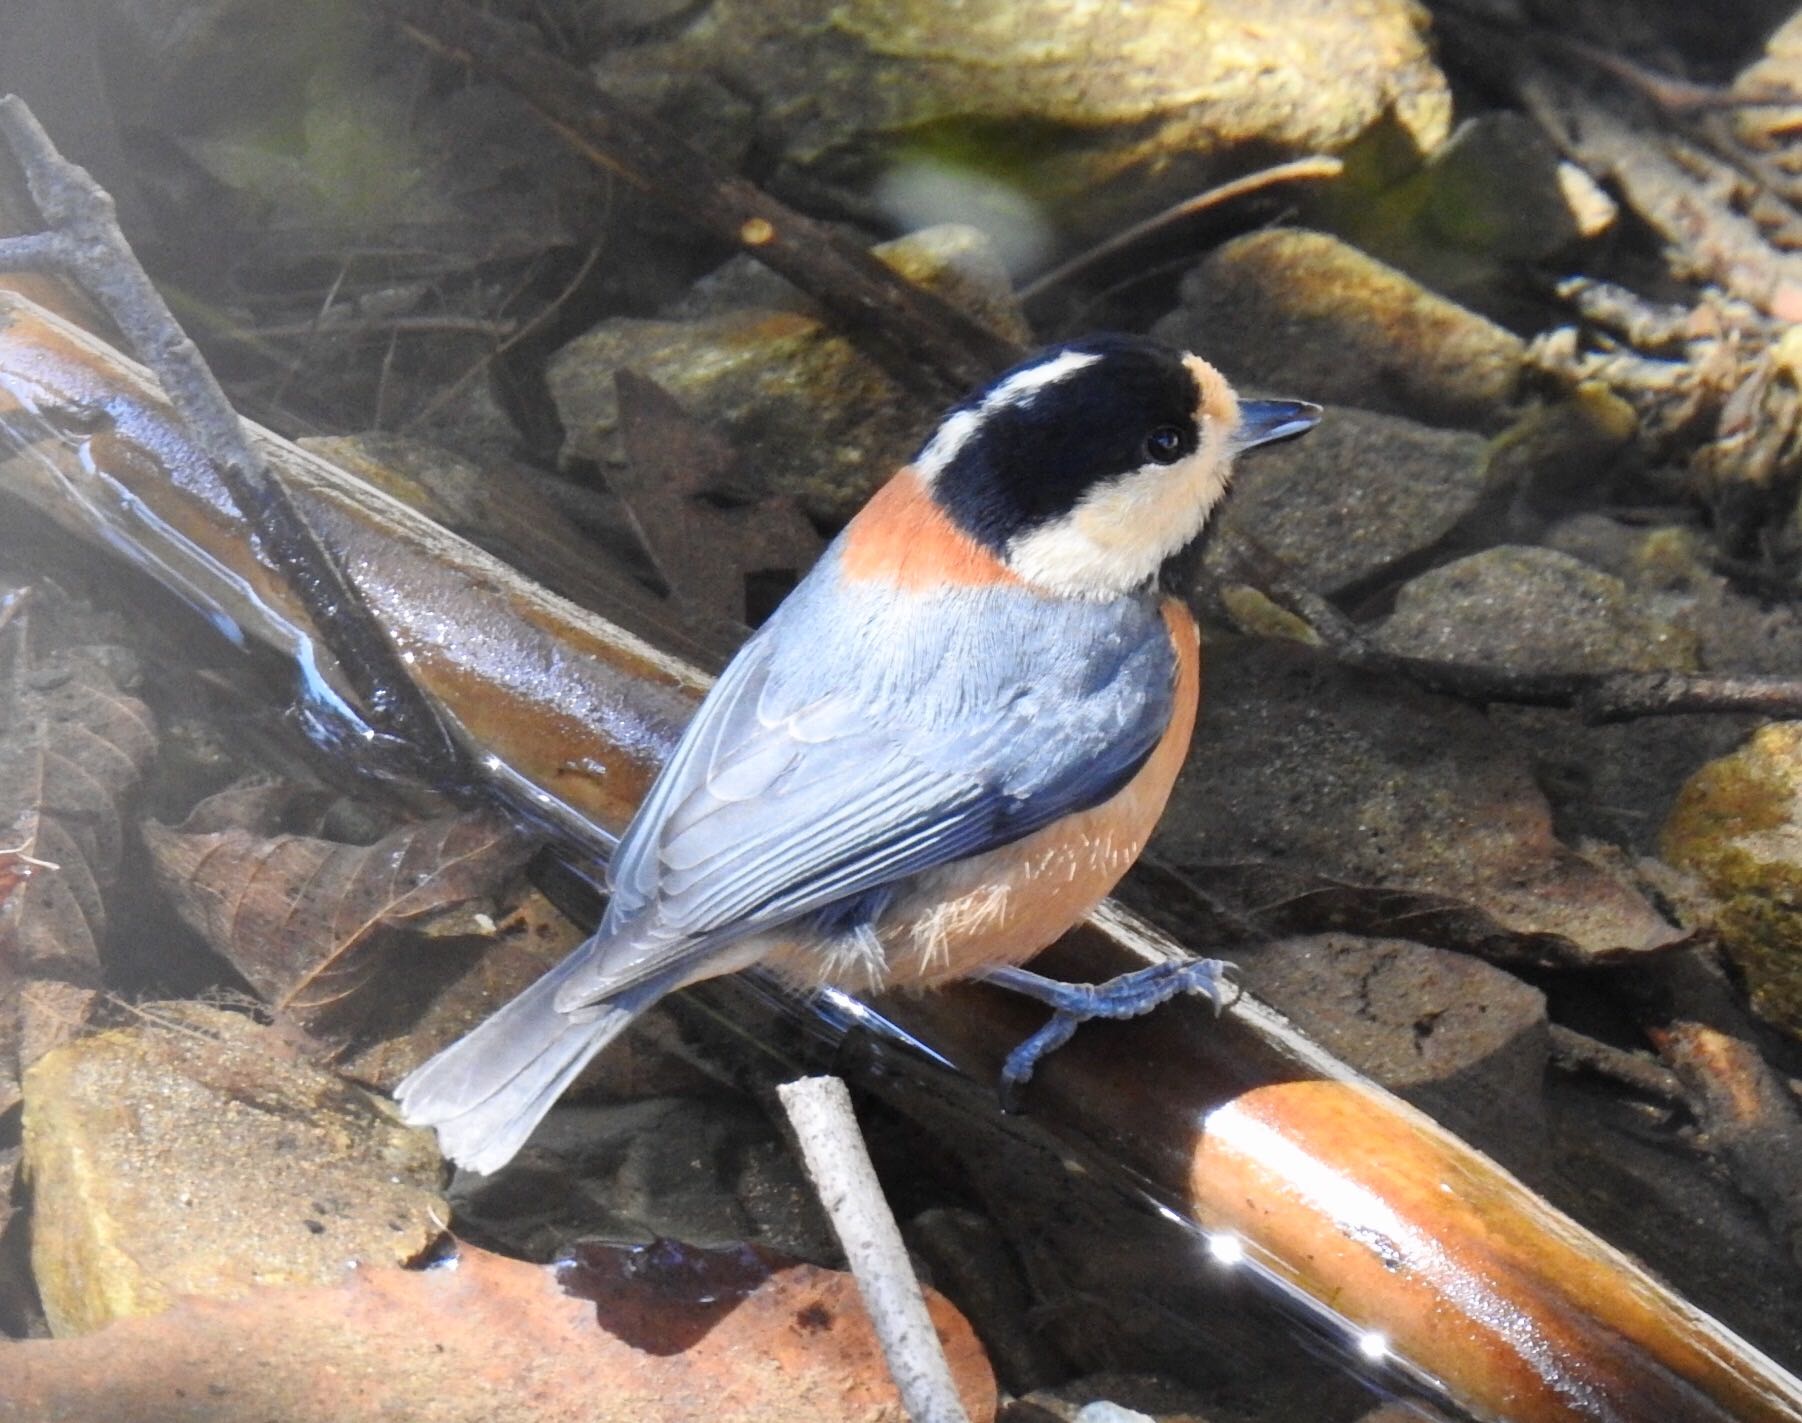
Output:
x,y
1261,421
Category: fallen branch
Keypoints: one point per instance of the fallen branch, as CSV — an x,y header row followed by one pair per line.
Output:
x,y
838,1164
1598,697
914,333
1313,169
1747,1117
1578,1052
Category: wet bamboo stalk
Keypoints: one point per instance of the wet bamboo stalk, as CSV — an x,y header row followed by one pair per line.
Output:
x,y
1423,1248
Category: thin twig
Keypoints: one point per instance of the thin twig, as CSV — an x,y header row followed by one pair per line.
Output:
x,y
1298,170
17,855
367,327
1671,93
838,1164
1599,697
1578,1052
84,243
254,341
525,329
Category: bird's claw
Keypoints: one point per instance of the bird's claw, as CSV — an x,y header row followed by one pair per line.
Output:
x,y
1127,996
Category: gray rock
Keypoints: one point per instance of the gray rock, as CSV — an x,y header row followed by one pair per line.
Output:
x,y
1528,609
1361,493
1309,315
1123,1398
1497,194
1318,797
1103,1411
1561,456
1603,543
1095,114
809,413
1614,783
1495,187
1459,1038
1667,570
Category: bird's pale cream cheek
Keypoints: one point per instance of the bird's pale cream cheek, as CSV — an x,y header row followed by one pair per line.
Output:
x,y
1118,537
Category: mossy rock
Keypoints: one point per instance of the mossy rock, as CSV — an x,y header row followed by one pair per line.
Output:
x,y
198,1154
1737,824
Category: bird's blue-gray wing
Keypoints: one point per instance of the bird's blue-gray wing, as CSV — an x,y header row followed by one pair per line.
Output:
x,y
807,779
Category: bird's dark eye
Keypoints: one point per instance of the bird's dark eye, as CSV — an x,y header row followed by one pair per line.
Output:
x,y
1164,444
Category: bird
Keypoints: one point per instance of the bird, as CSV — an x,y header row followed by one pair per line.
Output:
x,y
939,753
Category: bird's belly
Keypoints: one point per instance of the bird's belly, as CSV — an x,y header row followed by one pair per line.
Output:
x,y
1004,906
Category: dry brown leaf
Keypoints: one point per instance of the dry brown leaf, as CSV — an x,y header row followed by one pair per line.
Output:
x,y
73,746
303,918
704,552
626,1336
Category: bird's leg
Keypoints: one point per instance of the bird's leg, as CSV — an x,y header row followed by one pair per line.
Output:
x,y
1125,996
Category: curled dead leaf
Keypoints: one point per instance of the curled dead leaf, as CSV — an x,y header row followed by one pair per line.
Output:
x,y
306,919
73,747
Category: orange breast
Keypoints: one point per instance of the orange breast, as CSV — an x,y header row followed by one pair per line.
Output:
x,y
902,537
1003,907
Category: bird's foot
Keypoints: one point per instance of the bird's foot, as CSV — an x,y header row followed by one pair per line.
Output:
x,y
1126,996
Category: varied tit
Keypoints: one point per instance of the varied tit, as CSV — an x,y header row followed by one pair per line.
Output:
x,y
939,754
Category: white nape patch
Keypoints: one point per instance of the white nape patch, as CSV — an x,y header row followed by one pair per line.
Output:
x,y
943,447
1121,531
1018,389
1023,385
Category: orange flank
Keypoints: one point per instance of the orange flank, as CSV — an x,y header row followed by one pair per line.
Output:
x,y
902,537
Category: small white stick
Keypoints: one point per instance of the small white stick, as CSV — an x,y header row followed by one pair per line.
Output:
x,y
819,1109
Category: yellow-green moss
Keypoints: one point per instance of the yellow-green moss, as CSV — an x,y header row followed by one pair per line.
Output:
x,y
1737,824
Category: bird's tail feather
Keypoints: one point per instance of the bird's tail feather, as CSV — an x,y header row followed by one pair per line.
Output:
x,y
486,1092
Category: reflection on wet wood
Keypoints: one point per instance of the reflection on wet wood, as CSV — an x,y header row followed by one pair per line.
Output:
x,y
531,680
1425,1253
1329,1188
